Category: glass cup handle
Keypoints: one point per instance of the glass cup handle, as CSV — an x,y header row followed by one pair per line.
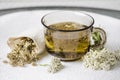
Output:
x,y
98,38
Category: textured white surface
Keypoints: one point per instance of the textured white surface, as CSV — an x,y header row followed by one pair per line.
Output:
x,y
104,4
14,23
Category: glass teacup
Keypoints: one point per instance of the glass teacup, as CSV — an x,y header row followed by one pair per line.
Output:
x,y
68,34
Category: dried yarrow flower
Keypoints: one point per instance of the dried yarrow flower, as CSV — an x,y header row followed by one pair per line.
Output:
x,y
55,65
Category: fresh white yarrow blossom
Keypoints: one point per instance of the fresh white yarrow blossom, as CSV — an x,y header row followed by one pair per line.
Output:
x,y
100,59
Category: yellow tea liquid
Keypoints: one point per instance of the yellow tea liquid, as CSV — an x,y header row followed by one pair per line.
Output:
x,y
67,45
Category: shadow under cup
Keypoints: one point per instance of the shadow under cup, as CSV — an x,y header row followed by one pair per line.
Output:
x,y
67,34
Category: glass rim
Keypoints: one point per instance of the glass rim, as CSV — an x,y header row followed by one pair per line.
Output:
x,y
90,26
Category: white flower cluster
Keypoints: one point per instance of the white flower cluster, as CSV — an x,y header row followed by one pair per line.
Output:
x,y
55,65
100,59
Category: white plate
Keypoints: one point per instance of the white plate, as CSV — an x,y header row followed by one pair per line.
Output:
x,y
14,23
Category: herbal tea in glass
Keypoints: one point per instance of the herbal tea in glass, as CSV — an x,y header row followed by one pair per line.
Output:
x,y
67,34
67,45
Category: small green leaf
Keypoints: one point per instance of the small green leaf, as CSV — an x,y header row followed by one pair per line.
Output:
x,y
44,64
